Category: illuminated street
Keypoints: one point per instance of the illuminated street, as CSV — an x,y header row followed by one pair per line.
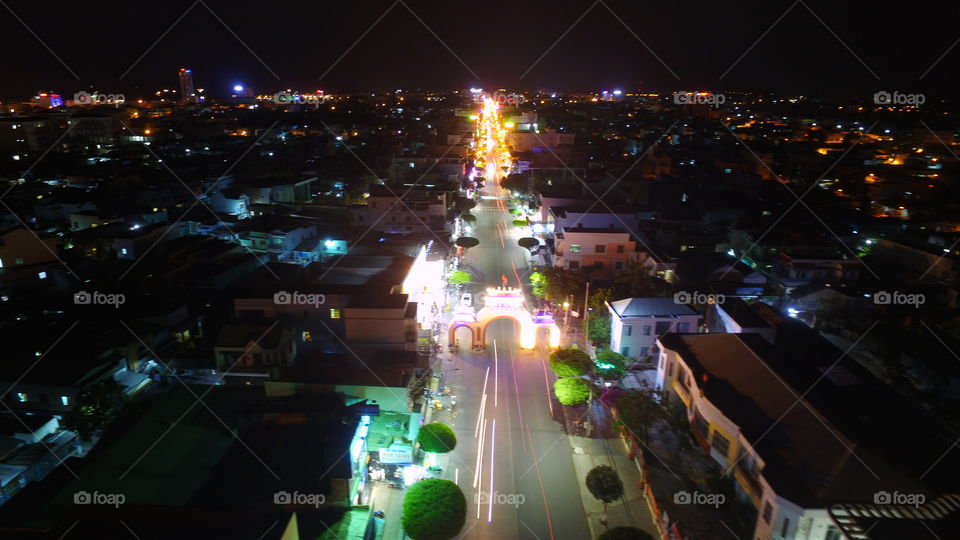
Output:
x,y
536,491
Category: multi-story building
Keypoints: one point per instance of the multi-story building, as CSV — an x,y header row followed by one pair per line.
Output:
x,y
637,323
787,458
187,92
604,251
419,210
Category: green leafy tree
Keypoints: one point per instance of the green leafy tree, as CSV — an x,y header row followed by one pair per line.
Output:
x,y
599,298
599,330
539,284
528,243
434,509
516,183
625,533
437,437
570,363
459,278
463,204
520,223
467,242
611,364
562,283
95,409
571,391
637,411
604,483
469,218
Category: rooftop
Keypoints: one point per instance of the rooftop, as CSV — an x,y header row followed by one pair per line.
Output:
x,y
651,307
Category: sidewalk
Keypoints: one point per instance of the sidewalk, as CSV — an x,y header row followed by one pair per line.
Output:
x,y
632,509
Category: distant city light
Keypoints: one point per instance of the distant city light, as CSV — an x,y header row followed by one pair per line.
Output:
x,y
238,88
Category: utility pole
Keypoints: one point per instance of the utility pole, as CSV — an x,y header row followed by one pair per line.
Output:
x,y
586,314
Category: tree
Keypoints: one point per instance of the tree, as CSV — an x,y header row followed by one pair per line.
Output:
x,y
95,409
467,242
562,283
468,218
517,183
611,364
599,298
571,391
520,223
434,509
539,284
437,437
459,278
636,412
625,533
604,484
464,204
599,330
570,363
528,243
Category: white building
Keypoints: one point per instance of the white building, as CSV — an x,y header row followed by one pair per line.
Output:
x,y
636,323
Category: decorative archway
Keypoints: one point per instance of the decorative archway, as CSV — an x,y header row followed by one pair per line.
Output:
x,y
505,302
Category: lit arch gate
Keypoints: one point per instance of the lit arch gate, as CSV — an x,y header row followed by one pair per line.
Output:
x,y
504,302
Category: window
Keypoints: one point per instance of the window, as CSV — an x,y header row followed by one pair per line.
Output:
x,y
574,248
334,313
65,401
721,444
22,398
627,330
573,265
600,248
785,527
619,248
625,351
646,329
767,512
19,260
832,533
618,265
42,275
123,251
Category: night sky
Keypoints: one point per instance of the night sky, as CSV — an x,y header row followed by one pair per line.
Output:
x,y
697,41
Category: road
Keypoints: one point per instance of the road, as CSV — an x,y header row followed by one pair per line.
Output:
x,y
537,495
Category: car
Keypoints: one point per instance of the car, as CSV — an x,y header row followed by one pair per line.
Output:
x,y
466,299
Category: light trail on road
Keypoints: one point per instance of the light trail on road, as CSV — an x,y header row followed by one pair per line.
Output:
x,y
496,375
493,447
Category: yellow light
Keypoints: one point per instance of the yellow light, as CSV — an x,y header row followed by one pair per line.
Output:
x,y
508,125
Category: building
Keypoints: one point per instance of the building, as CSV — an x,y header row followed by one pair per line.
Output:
x,y
787,458
420,210
735,316
793,269
187,92
603,251
637,323
21,246
254,350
